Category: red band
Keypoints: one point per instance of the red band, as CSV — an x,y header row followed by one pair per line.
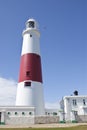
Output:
x,y
30,68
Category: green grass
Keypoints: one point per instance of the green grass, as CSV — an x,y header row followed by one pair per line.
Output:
x,y
69,128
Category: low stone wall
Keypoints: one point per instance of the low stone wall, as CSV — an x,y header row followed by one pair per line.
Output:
x,y
82,119
46,119
26,120
19,120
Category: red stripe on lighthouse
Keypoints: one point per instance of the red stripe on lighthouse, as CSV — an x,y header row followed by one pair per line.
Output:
x,y
30,68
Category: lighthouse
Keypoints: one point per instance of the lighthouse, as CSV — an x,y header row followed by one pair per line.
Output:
x,y
30,84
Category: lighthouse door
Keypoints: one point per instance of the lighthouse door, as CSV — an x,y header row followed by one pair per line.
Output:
x,y
0,116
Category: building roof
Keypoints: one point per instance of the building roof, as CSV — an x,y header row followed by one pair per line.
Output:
x,y
75,96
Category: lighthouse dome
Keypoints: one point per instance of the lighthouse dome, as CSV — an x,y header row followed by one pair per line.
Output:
x,y
32,24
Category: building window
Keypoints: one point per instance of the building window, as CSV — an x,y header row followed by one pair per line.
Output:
x,y
16,113
74,102
8,113
30,35
27,84
75,113
0,114
27,73
48,113
45,113
54,113
30,113
23,113
84,103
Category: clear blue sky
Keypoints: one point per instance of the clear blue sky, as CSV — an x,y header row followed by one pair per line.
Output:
x,y
63,42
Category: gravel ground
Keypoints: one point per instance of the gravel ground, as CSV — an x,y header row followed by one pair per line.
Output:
x,y
42,125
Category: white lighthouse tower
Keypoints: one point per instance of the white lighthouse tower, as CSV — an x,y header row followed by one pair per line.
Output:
x,y
30,89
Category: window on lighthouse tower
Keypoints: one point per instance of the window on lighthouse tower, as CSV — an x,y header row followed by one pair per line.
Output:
x,y
27,73
27,83
31,24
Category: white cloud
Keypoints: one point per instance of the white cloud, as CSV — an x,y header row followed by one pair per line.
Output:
x,y
7,91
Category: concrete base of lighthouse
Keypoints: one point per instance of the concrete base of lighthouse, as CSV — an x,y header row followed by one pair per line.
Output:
x,y
32,96
24,116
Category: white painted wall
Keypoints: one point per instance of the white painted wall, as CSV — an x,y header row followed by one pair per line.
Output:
x,y
8,115
30,44
31,96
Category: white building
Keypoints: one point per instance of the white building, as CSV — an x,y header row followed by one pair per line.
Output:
x,y
25,115
73,108
13,115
